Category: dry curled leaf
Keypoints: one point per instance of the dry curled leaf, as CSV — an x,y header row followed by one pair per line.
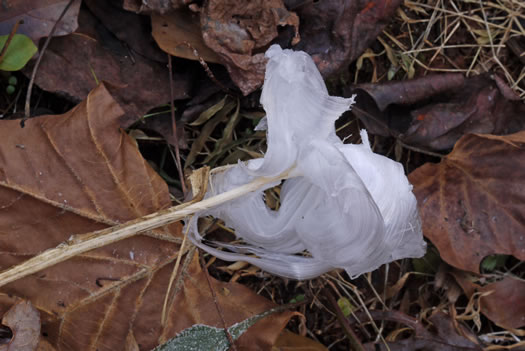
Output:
x,y
236,30
24,321
471,203
74,173
502,301
435,111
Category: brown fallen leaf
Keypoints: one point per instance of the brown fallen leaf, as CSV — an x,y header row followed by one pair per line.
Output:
x,y
24,321
503,301
237,29
39,17
289,341
73,65
131,29
446,335
471,203
336,32
179,34
74,173
435,111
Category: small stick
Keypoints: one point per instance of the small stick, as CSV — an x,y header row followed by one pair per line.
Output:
x,y
86,242
27,113
174,130
216,302
164,314
421,151
9,38
354,340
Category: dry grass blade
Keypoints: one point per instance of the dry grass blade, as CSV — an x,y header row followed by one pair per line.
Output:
x,y
471,37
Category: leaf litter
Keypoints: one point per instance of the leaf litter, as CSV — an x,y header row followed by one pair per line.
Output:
x,y
476,44
111,294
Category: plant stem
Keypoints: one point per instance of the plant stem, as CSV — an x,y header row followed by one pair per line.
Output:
x,y
87,242
8,41
27,113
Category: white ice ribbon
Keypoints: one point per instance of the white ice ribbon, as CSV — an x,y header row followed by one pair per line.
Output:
x,y
346,206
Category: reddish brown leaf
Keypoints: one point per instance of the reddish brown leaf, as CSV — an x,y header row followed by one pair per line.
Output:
x,y
74,173
24,321
236,30
435,111
73,64
505,305
472,203
336,32
39,17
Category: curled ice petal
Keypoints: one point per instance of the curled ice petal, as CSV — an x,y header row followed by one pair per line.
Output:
x,y
346,206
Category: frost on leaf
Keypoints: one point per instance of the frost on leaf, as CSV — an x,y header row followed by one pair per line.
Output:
x,y
346,206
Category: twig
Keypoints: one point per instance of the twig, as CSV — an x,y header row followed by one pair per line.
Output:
x,y
35,68
174,130
9,38
216,302
422,151
354,341
164,314
86,242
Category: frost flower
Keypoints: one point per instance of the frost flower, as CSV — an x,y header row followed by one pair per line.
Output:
x,y
342,206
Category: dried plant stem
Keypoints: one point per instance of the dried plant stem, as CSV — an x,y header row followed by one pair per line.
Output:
x,y
27,113
174,130
217,306
87,242
352,337
164,314
8,41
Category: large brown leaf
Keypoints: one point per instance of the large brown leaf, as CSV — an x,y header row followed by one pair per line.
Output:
x,y
74,173
473,202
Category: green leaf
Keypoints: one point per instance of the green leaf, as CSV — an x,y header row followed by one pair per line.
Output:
x,y
345,305
492,262
18,53
202,337
298,298
427,264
